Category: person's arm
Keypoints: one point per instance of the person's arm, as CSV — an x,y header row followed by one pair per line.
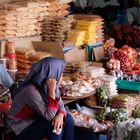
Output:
x,y
58,121
35,101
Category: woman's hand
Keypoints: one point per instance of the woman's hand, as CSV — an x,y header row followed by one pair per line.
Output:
x,y
58,121
51,83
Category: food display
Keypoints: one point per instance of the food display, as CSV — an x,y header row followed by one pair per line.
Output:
x,y
118,115
122,101
34,12
87,30
76,37
127,34
101,115
114,115
113,64
136,67
127,57
26,57
109,47
126,130
93,71
110,83
76,89
75,66
86,121
81,80
102,96
92,24
56,29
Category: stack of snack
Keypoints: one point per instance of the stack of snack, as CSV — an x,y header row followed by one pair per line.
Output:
x,y
55,29
110,82
58,9
90,28
26,18
26,57
75,66
76,37
122,101
93,27
14,25
23,56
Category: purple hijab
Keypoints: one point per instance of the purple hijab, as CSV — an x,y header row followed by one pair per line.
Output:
x,y
41,71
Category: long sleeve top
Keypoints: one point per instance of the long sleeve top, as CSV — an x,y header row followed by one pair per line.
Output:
x,y
29,104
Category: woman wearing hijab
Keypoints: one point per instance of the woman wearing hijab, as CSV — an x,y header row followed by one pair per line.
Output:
x,y
37,110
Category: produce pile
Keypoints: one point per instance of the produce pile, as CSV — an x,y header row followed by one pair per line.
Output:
x,y
109,47
102,96
136,67
114,115
127,57
126,130
127,35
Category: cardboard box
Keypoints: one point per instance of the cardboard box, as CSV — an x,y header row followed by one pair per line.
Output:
x,y
76,54
98,53
51,47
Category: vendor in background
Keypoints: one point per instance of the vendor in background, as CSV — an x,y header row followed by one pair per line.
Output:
x,y
37,110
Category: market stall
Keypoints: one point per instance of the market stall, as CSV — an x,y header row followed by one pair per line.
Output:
x,y
92,91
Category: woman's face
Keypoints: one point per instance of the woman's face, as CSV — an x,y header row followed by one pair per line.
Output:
x,y
60,80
